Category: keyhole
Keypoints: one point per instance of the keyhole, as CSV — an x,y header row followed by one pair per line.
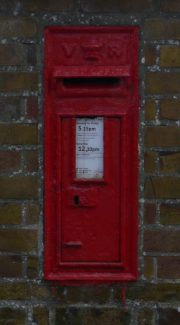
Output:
x,y
76,200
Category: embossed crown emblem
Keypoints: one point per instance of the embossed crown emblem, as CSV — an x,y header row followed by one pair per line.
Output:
x,y
92,50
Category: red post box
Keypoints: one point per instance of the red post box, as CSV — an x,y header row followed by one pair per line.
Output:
x,y
91,122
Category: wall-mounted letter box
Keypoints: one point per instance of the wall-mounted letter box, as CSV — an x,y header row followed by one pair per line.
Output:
x,y
91,117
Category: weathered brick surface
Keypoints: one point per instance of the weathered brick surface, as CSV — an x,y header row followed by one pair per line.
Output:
x,y
7,6
9,161
10,266
162,82
162,136
32,108
22,291
10,316
10,108
41,316
162,187
90,316
115,5
170,5
14,291
87,294
165,240
168,267
162,292
17,54
18,134
162,29
150,54
19,187
39,291
32,161
169,316
32,266
170,109
46,5
18,81
149,213
145,317
32,213
170,56
150,110
18,240
150,162
170,214
149,267
10,214
18,27
170,162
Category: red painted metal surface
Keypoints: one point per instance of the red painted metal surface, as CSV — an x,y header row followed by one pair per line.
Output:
x,y
91,224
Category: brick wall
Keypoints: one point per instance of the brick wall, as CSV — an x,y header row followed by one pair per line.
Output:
x,y
25,298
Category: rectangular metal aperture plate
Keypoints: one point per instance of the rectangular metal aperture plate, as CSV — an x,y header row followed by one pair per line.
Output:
x,y
90,148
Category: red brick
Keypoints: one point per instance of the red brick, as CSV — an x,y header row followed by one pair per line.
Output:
x,y
18,81
10,161
170,214
150,54
10,214
170,109
162,187
162,136
169,316
18,134
32,161
149,213
115,6
18,27
18,240
170,162
169,267
162,83
32,108
170,56
19,187
10,266
162,29
165,240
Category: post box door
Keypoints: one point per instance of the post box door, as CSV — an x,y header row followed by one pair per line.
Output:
x,y
90,223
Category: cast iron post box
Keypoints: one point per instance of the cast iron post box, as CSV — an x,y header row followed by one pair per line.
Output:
x,y
91,123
